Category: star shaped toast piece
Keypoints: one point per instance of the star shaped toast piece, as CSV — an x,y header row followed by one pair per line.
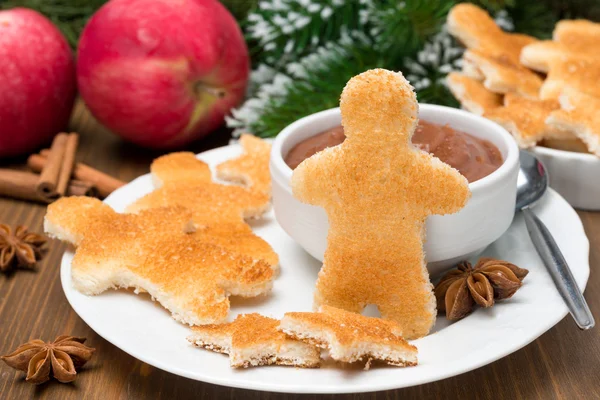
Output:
x,y
219,211
577,39
493,52
351,337
152,251
251,169
377,190
471,93
580,74
579,114
504,76
525,119
253,340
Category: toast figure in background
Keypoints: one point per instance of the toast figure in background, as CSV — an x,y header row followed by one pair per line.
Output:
x,y
571,39
492,55
219,211
251,169
579,113
252,340
351,337
153,251
377,190
472,95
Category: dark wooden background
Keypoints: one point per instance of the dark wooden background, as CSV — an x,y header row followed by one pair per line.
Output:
x,y
563,363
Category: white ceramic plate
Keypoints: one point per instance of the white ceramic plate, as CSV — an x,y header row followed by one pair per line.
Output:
x,y
146,331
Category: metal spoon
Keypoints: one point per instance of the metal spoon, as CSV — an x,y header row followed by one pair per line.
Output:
x,y
531,186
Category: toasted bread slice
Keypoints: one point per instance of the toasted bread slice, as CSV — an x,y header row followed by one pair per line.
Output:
x,y
219,211
525,119
503,76
471,94
153,252
471,70
251,169
541,55
578,34
252,340
351,337
377,197
181,167
579,113
492,53
583,75
474,27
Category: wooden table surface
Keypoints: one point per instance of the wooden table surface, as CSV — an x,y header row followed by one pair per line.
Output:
x,y
563,363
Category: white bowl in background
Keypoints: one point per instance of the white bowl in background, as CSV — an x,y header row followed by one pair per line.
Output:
x,y
576,176
450,238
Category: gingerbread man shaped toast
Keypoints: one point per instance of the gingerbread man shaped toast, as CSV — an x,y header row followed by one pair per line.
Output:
x,y
377,190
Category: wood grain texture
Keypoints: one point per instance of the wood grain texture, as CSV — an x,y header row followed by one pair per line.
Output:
x,y
562,364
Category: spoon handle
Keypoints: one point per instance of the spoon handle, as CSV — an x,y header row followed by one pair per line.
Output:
x,y
559,270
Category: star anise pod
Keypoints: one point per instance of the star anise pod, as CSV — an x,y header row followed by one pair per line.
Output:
x,y
490,280
20,248
61,357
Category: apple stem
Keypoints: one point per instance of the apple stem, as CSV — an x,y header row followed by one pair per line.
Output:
x,y
201,88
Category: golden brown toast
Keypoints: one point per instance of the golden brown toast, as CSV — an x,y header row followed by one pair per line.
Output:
x,y
377,190
251,169
219,211
502,76
540,56
471,94
153,251
351,337
582,75
579,114
577,34
492,53
525,119
252,340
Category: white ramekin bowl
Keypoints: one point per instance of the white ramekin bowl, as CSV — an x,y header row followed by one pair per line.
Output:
x,y
576,176
450,238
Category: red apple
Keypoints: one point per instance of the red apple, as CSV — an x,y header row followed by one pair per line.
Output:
x,y
162,73
37,81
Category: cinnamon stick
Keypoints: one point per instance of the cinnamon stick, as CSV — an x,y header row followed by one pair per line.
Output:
x,y
105,184
22,185
48,180
68,163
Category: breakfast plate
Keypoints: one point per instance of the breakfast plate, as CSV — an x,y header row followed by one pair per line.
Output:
x,y
146,331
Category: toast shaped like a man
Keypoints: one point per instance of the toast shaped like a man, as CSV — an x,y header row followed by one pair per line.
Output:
x,y
377,190
219,211
155,251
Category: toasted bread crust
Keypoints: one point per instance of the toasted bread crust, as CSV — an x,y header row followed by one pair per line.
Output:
x,y
471,93
579,113
492,52
219,211
251,168
152,251
254,340
377,190
351,337
525,119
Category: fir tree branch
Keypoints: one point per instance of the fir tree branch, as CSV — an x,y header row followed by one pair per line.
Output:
x,y
401,27
285,31
313,89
